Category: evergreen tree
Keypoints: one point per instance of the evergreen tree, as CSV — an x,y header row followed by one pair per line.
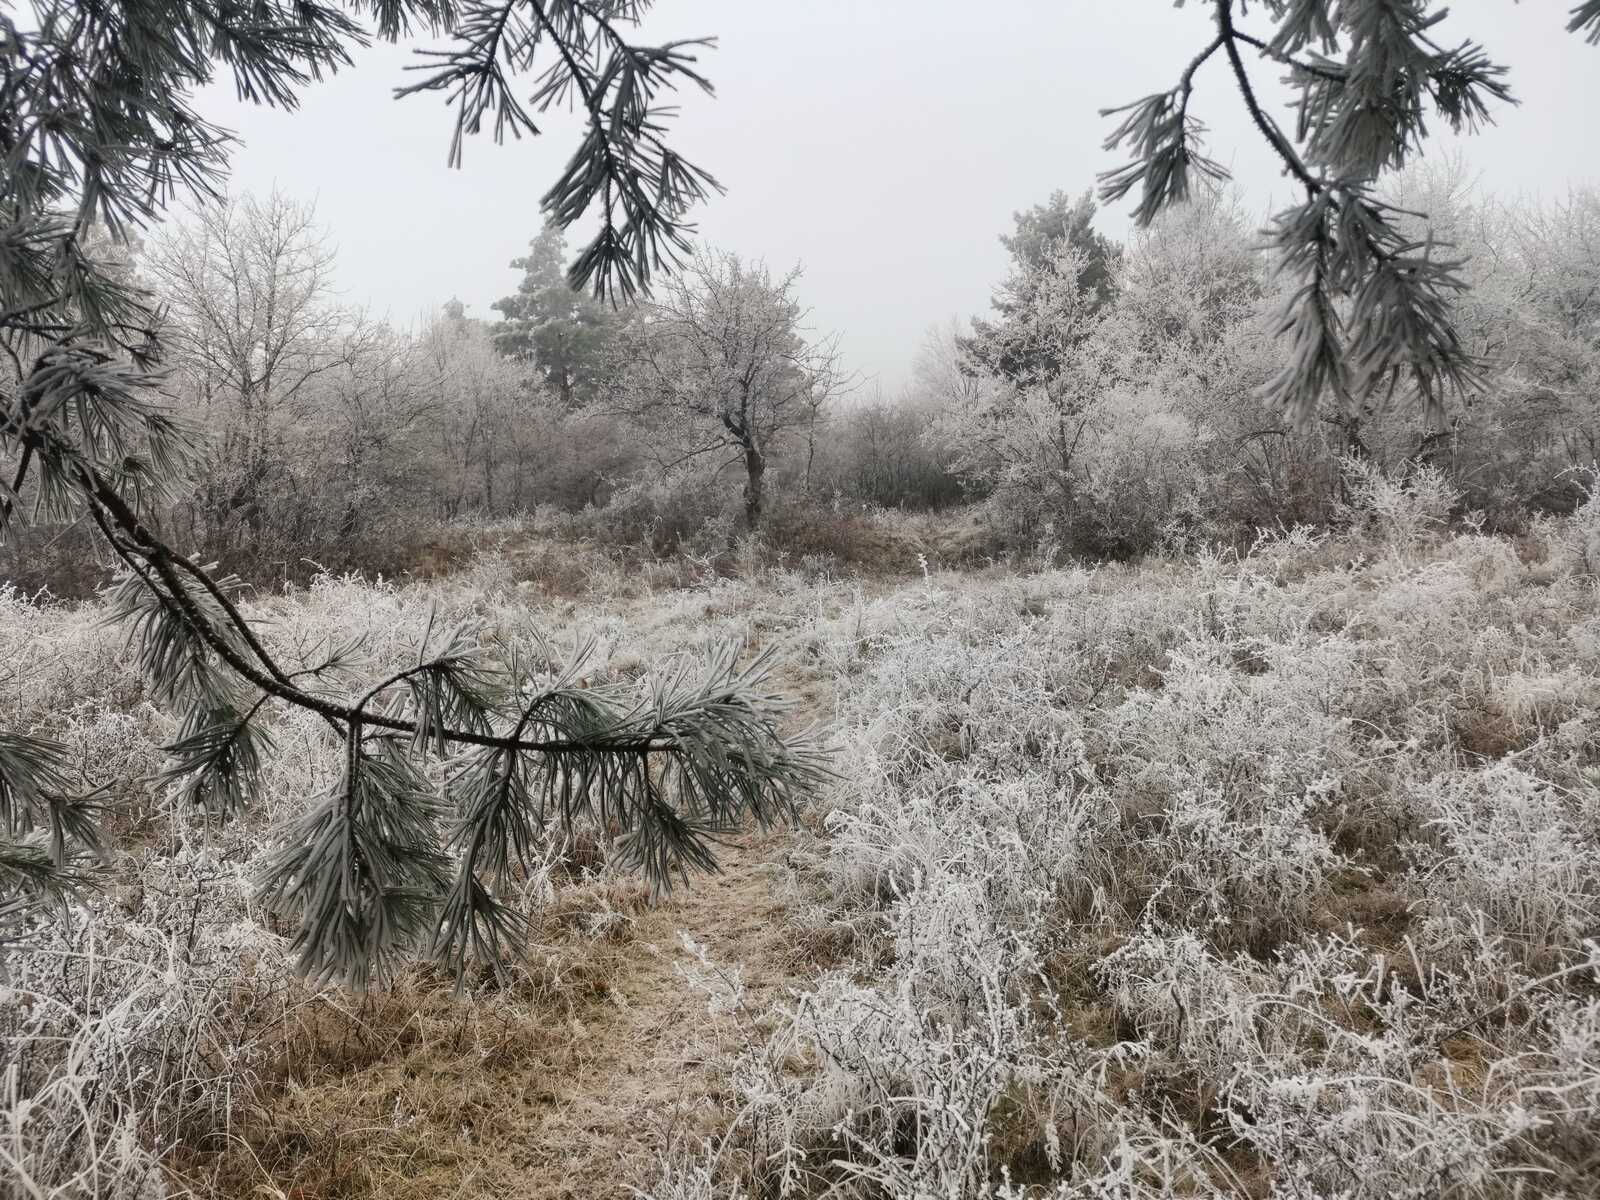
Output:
x,y
564,333
1046,235
1043,230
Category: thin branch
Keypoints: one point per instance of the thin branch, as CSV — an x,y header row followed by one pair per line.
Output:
x,y
1268,127
8,500
1288,60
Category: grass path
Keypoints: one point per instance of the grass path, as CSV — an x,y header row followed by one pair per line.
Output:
x,y
650,1073
566,1088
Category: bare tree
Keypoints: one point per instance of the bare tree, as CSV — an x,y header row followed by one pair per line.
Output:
x,y
481,396
248,289
722,364
372,439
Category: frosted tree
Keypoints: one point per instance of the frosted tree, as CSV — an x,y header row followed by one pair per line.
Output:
x,y
565,334
250,328
1001,346
723,368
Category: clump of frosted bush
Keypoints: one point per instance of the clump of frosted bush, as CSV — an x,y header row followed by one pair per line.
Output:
x,y
1270,874
1507,845
135,1025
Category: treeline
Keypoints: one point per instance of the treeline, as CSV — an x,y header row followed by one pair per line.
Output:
x,y
1112,403
1109,403
324,438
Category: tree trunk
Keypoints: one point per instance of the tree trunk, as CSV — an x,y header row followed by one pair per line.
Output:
x,y
755,466
811,450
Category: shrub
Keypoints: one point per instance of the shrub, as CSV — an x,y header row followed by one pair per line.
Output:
x,y
1185,879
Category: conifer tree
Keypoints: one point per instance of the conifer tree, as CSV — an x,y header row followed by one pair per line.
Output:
x,y
1045,236
565,334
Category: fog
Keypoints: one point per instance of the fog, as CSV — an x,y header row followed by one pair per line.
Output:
x,y
882,145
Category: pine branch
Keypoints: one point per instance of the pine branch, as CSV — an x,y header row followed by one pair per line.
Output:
x,y
13,492
44,825
1586,20
669,774
216,763
623,163
1372,306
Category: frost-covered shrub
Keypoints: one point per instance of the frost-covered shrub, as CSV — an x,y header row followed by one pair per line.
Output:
x,y
1504,844
137,1025
893,1074
72,1129
683,511
1276,871
1576,540
1399,512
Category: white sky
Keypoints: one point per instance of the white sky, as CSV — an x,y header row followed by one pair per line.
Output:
x,y
883,144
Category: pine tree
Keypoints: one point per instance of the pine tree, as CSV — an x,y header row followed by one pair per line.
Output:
x,y
565,334
1045,235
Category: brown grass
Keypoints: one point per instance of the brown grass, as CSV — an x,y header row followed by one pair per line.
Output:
x,y
1490,734
564,1085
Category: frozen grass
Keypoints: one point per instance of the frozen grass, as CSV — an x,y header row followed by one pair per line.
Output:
x,y
1268,875
159,1041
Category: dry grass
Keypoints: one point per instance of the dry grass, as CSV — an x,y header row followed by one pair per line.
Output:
x,y
565,1084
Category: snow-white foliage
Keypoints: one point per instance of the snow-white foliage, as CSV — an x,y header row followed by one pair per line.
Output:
x,y
1399,513
1277,875
1113,422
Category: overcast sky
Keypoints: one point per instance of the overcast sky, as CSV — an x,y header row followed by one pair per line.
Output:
x,y
882,144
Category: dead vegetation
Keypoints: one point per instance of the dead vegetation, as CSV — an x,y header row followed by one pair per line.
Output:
x,y
589,1063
